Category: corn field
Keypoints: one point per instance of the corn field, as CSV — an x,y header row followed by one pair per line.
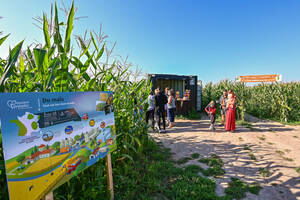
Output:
x,y
278,101
52,66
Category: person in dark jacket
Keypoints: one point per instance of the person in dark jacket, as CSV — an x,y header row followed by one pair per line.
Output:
x,y
160,101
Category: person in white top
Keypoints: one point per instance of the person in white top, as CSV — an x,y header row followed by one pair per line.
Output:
x,y
171,108
150,110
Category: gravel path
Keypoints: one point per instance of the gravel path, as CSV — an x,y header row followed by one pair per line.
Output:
x,y
275,146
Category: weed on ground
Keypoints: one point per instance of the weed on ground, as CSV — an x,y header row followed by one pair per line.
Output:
x,y
262,138
183,160
195,155
237,189
215,166
264,172
252,156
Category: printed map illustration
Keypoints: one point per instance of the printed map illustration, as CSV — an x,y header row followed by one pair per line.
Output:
x,y
27,124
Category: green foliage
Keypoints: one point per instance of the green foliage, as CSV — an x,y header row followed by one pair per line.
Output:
x,y
278,101
154,176
264,172
237,189
252,156
195,155
183,160
192,115
54,67
297,170
215,164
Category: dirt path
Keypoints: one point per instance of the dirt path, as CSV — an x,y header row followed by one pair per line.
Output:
x,y
276,147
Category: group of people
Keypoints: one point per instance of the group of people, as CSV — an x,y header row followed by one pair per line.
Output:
x,y
161,103
227,105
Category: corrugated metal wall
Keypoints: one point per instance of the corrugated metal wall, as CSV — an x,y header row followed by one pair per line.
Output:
x,y
199,93
176,85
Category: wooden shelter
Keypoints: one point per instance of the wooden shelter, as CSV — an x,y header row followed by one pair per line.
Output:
x,y
185,88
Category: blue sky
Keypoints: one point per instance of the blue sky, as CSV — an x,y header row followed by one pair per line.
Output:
x,y
212,39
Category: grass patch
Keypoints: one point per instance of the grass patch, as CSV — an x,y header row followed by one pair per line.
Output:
x,y
215,164
237,189
195,155
245,124
264,172
194,169
252,156
288,159
295,136
262,138
192,115
246,147
154,176
270,143
241,139
297,170
183,160
281,153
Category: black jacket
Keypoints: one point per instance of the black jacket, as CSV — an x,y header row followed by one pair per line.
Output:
x,y
161,100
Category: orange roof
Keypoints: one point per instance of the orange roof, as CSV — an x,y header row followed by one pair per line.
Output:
x,y
41,146
46,151
33,156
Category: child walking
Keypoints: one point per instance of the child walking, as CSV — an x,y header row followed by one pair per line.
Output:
x,y
211,111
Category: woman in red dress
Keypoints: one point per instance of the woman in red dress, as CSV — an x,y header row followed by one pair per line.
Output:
x,y
230,114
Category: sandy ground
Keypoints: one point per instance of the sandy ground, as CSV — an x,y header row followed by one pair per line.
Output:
x,y
275,146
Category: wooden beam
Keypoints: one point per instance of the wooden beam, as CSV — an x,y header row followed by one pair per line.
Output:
x,y
109,176
49,196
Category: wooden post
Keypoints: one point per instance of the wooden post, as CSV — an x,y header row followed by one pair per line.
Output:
x,y
109,176
49,196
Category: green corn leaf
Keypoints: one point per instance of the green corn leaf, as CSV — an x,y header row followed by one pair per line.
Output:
x,y
51,51
57,36
94,42
64,61
100,53
3,39
86,76
123,156
46,32
73,81
69,29
86,49
22,67
41,59
83,46
76,63
53,66
8,69
89,60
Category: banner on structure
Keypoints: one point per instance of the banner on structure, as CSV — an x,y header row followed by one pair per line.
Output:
x,y
259,78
